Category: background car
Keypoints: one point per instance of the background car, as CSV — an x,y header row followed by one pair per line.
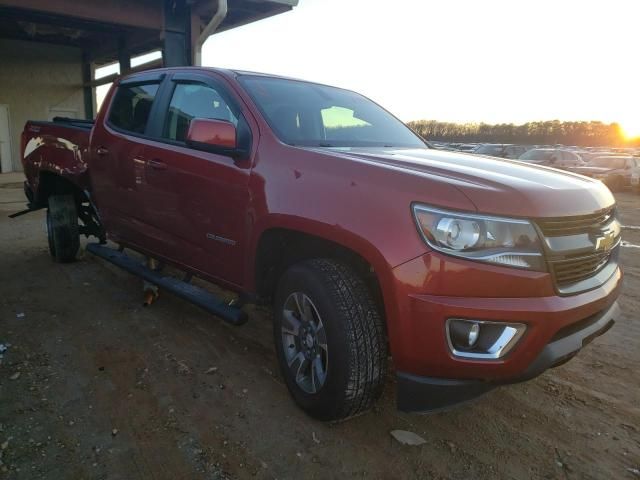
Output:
x,y
502,150
615,171
553,157
466,147
588,155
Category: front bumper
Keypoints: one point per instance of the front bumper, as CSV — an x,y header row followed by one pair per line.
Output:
x,y
425,394
431,377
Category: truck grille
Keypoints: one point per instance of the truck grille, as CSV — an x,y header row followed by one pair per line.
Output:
x,y
559,227
573,270
589,245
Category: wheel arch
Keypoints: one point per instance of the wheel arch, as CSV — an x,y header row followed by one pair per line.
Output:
x,y
280,246
50,182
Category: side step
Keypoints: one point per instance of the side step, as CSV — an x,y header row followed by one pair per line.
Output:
x,y
196,295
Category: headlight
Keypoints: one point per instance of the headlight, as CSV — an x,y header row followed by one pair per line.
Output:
x,y
503,241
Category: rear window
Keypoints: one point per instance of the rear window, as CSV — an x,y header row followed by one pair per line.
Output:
x,y
131,107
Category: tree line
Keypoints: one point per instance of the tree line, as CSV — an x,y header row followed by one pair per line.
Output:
x,y
550,132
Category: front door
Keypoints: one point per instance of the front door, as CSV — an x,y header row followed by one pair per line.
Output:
x,y
198,200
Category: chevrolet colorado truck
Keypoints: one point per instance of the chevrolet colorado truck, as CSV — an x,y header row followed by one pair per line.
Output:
x,y
469,272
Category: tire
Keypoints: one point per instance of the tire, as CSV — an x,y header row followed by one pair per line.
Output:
x,y
62,228
350,348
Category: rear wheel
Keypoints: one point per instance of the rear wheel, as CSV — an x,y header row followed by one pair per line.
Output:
x,y
330,339
62,228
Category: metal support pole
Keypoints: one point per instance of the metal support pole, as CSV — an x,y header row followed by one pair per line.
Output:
x,y
177,33
87,90
124,59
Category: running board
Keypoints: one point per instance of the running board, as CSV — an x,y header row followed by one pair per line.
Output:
x,y
196,295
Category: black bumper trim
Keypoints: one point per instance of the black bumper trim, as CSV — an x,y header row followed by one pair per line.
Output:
x,y
429,395
561,350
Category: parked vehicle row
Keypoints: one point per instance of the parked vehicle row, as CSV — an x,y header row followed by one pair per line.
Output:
x,y
501,150
616,171
552,157
618,168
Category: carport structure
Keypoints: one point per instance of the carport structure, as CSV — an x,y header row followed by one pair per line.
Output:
x,y
49,50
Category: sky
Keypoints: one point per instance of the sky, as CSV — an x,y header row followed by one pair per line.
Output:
x,y
457,60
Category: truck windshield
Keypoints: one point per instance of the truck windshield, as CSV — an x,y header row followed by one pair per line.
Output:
x,y
308,114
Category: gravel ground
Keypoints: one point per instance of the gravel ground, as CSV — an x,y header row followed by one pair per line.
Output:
x,y
95,386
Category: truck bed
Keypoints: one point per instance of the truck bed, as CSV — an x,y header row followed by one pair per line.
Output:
x,y
60,147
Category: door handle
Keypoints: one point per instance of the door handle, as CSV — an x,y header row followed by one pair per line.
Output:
x,y
102,151
157,165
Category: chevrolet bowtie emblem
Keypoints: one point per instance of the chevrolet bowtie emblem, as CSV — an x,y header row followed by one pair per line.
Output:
x,y
605,241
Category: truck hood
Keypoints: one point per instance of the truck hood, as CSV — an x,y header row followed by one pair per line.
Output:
x,y
494,185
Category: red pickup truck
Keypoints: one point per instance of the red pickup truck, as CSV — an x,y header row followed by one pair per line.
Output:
x,y
470,272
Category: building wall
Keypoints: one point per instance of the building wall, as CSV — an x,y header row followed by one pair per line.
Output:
x,y
38,81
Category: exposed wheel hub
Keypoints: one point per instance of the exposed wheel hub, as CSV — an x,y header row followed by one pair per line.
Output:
x,y
305,343
310,341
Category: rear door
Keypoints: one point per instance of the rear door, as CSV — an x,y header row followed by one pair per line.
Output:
x,y
118,158
197,201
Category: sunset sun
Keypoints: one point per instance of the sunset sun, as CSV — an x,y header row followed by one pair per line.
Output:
x,y
631,128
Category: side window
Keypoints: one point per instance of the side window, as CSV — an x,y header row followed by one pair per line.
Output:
x,y
194,100
131,107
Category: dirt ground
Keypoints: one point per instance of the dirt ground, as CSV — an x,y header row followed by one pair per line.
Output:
x,y
95,386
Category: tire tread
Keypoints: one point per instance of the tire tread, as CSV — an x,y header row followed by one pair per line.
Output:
x,y
365,328
64,237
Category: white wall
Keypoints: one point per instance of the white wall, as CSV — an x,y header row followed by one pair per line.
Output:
x,y
36,79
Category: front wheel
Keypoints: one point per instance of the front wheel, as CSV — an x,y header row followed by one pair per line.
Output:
x,y
330,339
62,228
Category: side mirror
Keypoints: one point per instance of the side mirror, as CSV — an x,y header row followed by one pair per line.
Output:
x,y
215,136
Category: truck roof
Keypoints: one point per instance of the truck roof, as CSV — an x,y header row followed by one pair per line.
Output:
x,y
223,71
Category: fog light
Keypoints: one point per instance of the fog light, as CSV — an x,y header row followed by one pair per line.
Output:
x,y
464,334
480,339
